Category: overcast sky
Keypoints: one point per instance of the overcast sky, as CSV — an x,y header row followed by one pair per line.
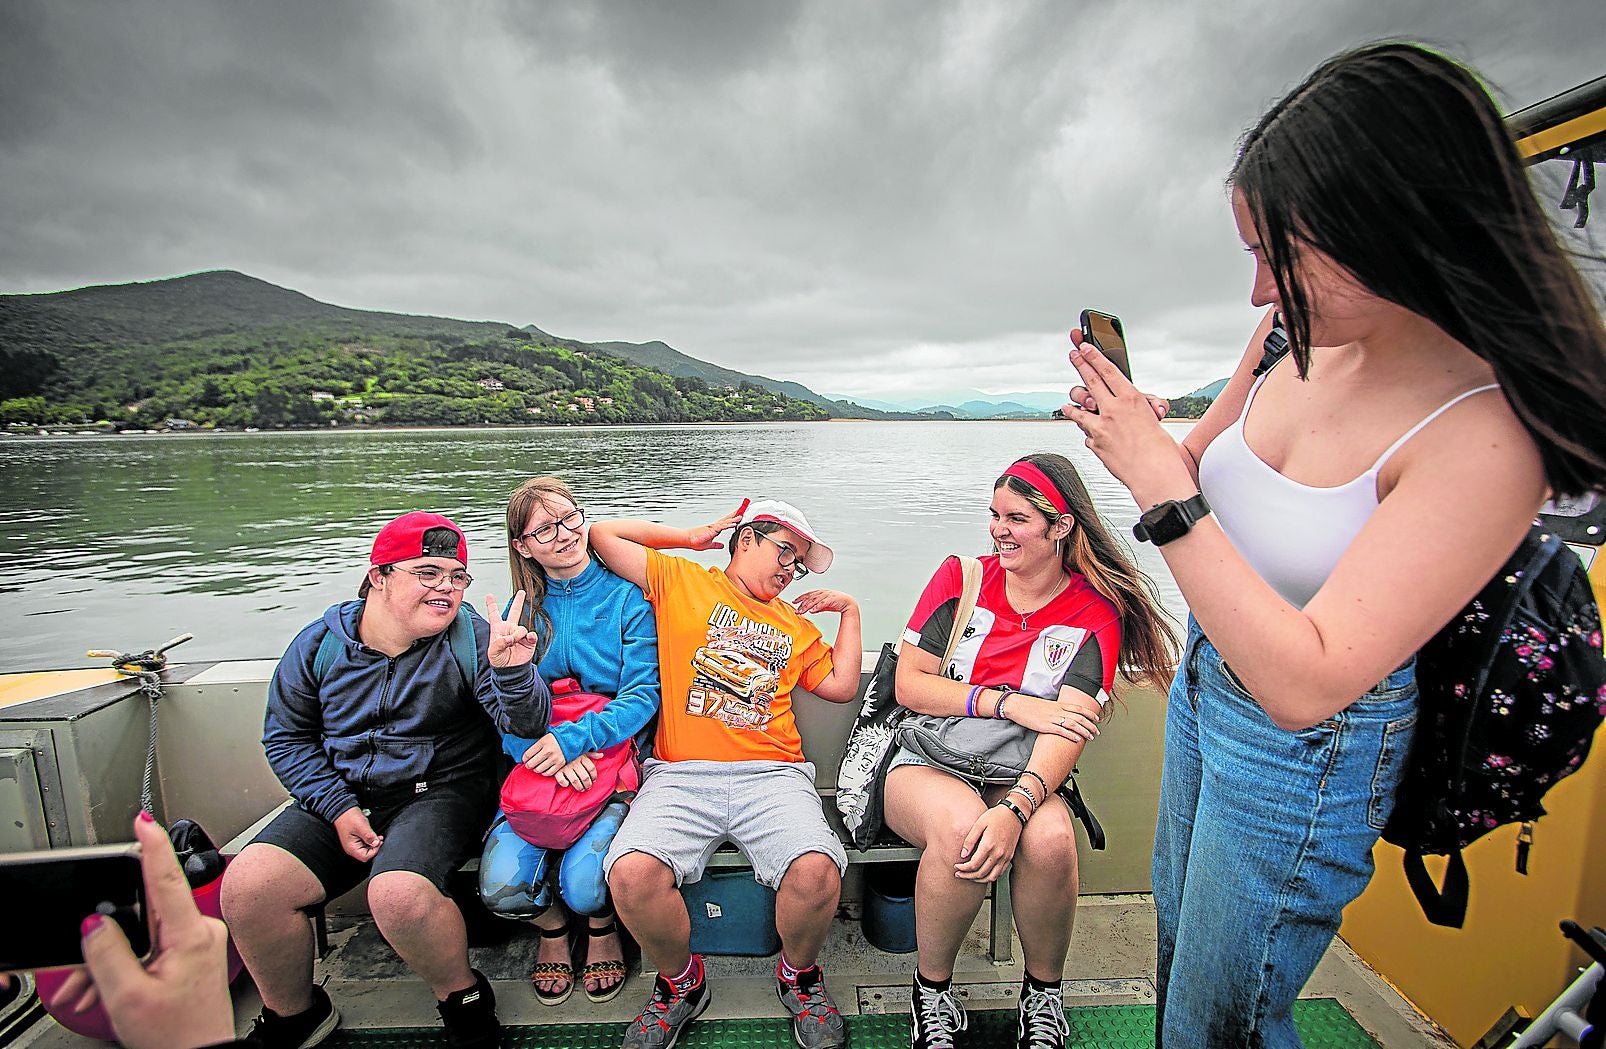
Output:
x,y
883,200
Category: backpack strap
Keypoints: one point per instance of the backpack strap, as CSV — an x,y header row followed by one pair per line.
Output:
x,y
1273,349
328,649
1446,906
1078,805
970,573
464,647
1545,547
460,635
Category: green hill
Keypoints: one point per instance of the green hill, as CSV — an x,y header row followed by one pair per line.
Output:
x,y
225,349
666,358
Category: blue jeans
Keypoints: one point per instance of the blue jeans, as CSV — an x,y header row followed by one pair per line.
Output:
x,y
1264,835
515,877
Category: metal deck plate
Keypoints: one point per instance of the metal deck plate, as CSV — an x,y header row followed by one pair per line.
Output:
x,y
1322,1022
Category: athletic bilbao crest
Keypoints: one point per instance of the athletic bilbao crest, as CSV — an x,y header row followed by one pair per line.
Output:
x,y
1057,651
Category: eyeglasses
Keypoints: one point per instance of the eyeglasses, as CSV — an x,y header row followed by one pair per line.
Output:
x,y
431,577
788,557
549,531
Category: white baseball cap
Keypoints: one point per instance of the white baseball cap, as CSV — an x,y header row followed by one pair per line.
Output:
x,y
818,559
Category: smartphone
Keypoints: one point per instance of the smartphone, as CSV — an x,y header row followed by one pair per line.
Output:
x,y
1104,331
51,892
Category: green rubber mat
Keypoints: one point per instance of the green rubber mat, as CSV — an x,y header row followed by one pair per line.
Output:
x,y
1322,1023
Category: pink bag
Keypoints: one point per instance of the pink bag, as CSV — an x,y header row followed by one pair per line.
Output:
x,y
551,816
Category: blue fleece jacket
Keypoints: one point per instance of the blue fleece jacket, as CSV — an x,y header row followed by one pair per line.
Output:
x,y
604,636
375,722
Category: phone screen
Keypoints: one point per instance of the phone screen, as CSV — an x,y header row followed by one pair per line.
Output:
x,y
53,891
1104,331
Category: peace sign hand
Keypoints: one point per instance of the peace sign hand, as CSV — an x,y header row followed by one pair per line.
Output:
x,y
706,537
512,644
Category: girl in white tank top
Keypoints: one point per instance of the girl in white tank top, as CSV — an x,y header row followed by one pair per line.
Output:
x,y
1295,704
1292,534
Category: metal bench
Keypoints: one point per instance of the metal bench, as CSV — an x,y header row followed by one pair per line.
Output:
x,y
824,727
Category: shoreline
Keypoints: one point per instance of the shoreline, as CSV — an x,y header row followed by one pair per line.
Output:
x,y
35,433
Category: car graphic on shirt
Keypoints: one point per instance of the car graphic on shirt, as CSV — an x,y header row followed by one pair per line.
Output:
x,y
735,673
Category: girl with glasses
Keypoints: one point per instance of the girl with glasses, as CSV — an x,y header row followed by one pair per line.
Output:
x,y
597,629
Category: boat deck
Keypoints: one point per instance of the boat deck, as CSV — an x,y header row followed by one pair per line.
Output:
x,y
1111,964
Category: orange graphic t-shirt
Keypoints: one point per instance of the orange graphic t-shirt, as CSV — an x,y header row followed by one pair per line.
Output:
x,y
728,664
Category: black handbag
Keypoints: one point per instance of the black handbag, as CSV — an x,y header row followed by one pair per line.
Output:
x,y
861,778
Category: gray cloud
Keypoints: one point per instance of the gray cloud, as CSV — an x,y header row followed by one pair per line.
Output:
x,y
872,199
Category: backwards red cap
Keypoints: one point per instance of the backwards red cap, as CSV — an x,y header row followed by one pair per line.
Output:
x,y
1028,471
405,538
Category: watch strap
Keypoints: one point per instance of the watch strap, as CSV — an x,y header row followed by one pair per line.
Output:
x,y
1171,520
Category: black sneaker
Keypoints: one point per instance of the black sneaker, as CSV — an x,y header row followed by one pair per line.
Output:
x,y
470,1016
666,1015
938,1017
303,1030
816,1022
1041,1022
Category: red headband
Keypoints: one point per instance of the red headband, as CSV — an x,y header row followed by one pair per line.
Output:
x,y
1032,475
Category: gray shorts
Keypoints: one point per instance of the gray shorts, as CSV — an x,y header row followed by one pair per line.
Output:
x,y
685,809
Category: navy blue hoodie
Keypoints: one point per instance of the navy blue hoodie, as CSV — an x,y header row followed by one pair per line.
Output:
x,y
376,722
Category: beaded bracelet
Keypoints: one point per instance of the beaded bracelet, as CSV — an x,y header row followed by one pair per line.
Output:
x,y
1004,692
970,701
1041,781
1012,807
1029,794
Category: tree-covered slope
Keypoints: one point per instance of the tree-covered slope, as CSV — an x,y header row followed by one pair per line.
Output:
x,y
225,349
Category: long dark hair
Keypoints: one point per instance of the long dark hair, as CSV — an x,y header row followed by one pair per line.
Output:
x,y
1393,161
527,573
1148,639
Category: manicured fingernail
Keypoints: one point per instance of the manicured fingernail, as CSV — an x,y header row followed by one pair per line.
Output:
x,y
146,817
91,925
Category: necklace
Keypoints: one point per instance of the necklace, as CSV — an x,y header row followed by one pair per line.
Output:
x,y
1024,616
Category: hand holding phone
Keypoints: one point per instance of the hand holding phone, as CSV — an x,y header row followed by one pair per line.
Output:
x,y
1104,331
57,889
178,997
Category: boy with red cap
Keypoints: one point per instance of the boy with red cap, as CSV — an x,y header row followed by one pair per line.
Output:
x,y
728,760
382,723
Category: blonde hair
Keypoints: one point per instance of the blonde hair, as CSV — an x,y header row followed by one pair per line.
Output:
x,y
526,572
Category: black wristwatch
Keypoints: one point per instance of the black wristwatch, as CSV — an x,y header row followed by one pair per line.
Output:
x,y
1172,519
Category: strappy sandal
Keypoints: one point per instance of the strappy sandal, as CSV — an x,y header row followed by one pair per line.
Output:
x,y
553,971
600,971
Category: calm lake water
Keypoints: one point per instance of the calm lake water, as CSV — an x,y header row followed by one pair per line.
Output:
x,y
242,539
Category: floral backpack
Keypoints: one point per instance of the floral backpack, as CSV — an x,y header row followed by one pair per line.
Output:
x,y
1512,690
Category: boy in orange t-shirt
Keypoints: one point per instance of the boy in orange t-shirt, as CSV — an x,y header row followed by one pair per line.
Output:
x,y
729,762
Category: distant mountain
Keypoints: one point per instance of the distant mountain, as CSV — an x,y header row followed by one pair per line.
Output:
x,y
987,410
225,349
197,306
666,358
1210,392
973,403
